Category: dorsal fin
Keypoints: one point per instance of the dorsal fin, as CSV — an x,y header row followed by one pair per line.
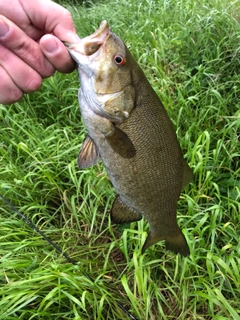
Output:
x,y
187,174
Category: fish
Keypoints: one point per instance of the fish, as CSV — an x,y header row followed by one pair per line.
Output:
x,y
129,130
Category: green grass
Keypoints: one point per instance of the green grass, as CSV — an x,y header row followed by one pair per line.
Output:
x,y
189,51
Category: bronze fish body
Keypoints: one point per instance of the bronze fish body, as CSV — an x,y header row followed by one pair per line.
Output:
x,y
129,129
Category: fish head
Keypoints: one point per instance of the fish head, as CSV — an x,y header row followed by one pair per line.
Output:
x,y
105,72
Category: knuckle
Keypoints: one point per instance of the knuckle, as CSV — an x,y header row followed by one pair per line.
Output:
x,y
33,82
66,14
9,92
34,85
33,56
10,95
48,72
16,95
4,55
28,52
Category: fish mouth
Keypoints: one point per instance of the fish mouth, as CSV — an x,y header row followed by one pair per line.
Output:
x,y
91,44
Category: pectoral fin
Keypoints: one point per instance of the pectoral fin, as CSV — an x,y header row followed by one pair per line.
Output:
x,y
121,144
88,154
122,213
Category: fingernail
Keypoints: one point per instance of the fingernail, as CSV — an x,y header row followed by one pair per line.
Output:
x,y
77,37
3,29
72,38
50,45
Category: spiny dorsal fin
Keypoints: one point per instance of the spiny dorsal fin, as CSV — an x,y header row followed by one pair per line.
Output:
x,y
121,144
121,212
88,154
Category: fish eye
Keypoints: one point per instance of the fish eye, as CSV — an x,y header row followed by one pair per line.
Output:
x,y
119,60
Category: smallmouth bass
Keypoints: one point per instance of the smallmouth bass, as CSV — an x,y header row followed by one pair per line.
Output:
x,y
131,132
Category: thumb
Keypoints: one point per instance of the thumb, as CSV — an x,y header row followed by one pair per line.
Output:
x,y
57,54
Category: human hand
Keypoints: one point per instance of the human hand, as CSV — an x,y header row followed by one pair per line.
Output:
x,y
30,45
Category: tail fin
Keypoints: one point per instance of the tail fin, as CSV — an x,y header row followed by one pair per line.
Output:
x,y
151,239
178,244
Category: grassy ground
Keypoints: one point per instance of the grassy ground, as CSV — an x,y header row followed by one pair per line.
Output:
x,y
189,50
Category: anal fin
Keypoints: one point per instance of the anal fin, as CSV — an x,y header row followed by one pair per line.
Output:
x,y
122,213
88,154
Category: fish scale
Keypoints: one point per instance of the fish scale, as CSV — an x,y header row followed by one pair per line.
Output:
x,y
130,131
